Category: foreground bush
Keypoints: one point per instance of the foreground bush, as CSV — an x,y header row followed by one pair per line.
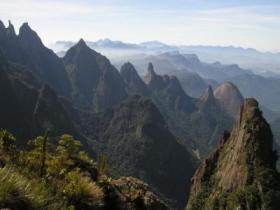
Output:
x,y
18,192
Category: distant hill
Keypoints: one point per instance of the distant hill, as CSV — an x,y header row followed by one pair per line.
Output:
x,y
247,58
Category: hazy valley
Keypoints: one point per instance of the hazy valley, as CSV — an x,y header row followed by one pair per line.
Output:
x,y
111,125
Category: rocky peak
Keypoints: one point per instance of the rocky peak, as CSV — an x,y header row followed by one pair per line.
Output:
x,y
82,44
134,84
207,100
151,68
10,30
249,110
208,94
236,174
229,97
83,49
2,26
128,68
29,37
79,51
96,83
150,73
169,91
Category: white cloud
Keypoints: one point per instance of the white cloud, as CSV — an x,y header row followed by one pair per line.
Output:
x,y
257,26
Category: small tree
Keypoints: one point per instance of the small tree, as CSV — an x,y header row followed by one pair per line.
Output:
x,y
68,146
66,155
38,154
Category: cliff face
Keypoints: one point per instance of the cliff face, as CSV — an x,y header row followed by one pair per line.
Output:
x,y
241,173
167,92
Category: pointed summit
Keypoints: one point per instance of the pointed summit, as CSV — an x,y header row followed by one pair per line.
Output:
x,y
96,83
2,26
29,37
128,67
241,173
134,84
82,47
151,68
207,101
80,50
2,30
208,95
10,30
81,43
151,75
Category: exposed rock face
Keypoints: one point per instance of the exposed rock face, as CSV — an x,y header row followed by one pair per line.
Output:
x,y
241,174
229,97
168,91
128,193
139,144
28,50
184,113
96,84
134,84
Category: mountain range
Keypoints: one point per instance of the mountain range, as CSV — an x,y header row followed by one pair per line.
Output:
x,y
196,69
147,124
265,63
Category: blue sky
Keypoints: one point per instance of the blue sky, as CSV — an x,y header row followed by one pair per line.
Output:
x,y
247,23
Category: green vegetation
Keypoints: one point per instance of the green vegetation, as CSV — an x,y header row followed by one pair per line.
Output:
x,y
251,157
49,176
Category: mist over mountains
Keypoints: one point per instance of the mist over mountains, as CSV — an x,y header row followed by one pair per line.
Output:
x,y
155,112
264,63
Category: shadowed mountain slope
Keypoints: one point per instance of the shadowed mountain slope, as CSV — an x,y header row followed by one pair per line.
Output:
x,y
138,142
27,49
96,84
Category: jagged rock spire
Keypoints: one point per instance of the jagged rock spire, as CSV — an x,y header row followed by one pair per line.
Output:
x,y
237,172
134,84
2,26
151,68
29,37
208,94
207,101
10,30
150,74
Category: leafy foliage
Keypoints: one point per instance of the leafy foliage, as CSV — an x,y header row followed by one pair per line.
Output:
x,y
44,177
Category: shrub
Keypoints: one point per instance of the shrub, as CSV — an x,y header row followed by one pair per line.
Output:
x,y
18,192
82,192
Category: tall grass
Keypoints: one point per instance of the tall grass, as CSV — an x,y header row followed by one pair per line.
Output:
x,y
18,192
